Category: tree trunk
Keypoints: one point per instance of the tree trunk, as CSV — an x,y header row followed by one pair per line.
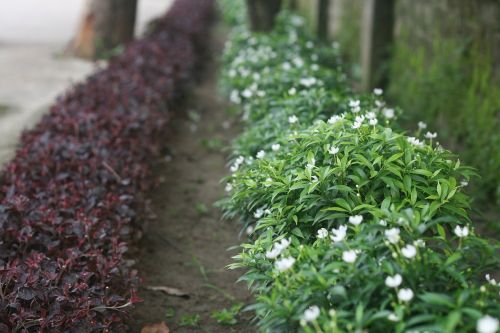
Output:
x,y
262,14
105,25
323,18
377,42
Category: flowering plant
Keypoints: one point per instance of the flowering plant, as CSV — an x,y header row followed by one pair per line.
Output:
x,y
352,225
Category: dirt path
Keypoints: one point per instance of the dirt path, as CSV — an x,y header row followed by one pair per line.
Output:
x,y
187,246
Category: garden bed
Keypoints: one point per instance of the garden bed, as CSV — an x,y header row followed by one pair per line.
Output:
x,y
353,225
72,199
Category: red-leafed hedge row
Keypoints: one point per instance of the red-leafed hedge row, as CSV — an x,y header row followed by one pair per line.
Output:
x,y
72,198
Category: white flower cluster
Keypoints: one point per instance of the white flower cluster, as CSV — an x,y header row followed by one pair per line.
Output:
x,y
293,119
461,232
277,248
282,264
237,163
358,121
487,324
355,105
311,313
491,280
260,212
414,141
334,119
308,82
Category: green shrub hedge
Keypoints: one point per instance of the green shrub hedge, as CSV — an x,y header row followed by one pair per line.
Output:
x,y
353,225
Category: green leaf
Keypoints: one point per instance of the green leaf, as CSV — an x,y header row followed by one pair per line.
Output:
x,y
453,258
452,321
343,203
297,232
441,231
438,299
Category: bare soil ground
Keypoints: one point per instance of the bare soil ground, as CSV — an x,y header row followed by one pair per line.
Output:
x,y
186,247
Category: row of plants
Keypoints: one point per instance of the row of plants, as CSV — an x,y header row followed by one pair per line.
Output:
x,y
353,225
72,199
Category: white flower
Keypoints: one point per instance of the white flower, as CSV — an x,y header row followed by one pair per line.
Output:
x,y
393,317
373,121
293,119
409,251
430,135
283,244
354,102
292,91
322,233
356,125
278,248
239,160
249,230
234,167
378,91
388,113
349,256
379,104
419,243
393,281
311,313
461,232
333,150
334,119
314,67
268,182
405,295
261,154
356,219
414,141
356,109
273,253
371,115
383,223
229,187
464,183
339,234
235,97
308,82
247,93
487,324
286,66
298,62
261,93
392,235
284,264
276,147
258,213
422,125
491,281
311,164
309,44
314,179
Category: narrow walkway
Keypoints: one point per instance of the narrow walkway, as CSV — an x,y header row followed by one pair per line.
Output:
x,y
33,72
187,245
